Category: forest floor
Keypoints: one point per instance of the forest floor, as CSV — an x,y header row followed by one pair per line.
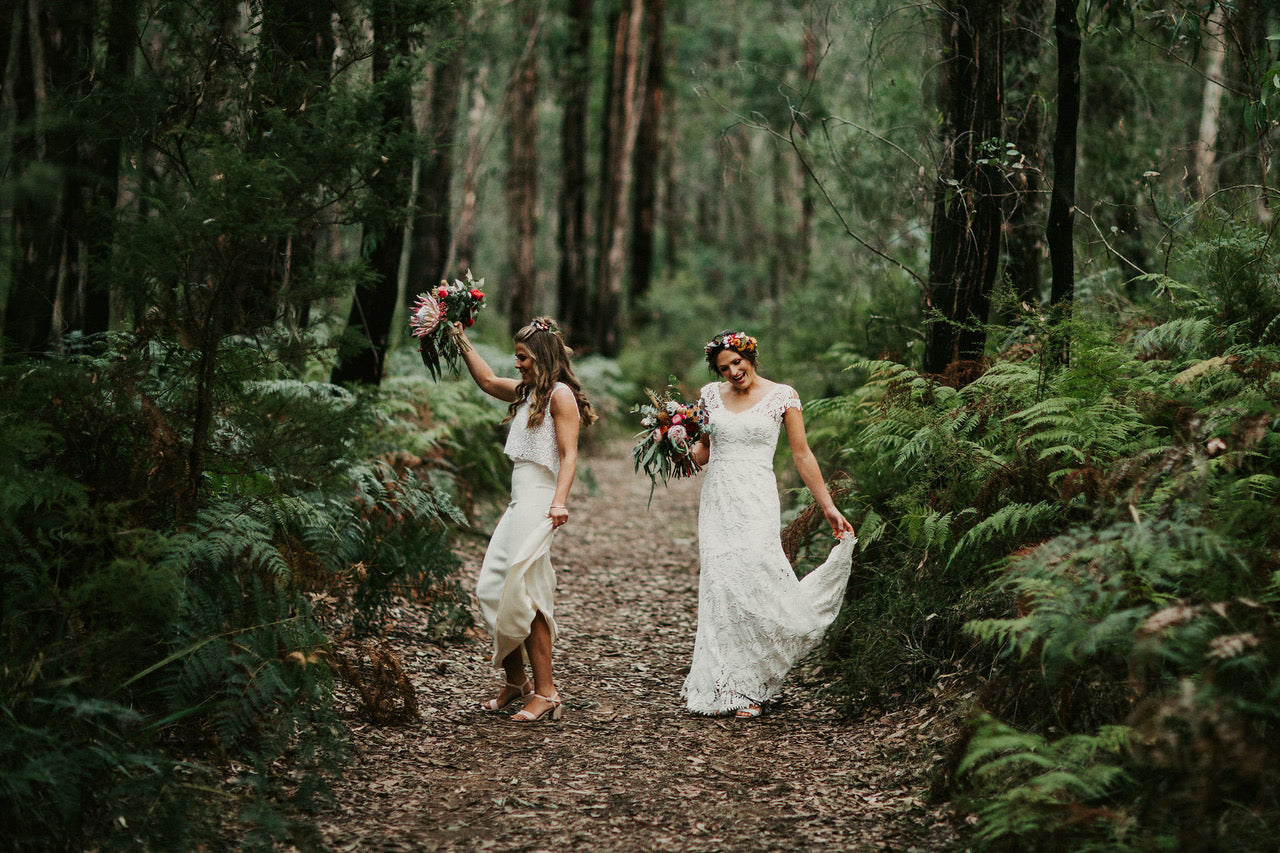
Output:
x,y
628,769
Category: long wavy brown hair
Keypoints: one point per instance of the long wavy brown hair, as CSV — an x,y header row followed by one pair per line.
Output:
x,y
551,364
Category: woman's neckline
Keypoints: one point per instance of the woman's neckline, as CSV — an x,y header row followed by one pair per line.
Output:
x,y
773,386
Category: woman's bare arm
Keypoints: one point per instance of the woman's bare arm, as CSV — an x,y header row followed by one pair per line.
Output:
x,y
490,383
807,465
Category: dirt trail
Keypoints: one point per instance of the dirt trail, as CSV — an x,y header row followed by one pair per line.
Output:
x,y
628,769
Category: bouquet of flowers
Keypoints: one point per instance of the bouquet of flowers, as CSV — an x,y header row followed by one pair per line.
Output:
x,y
671,429
433,312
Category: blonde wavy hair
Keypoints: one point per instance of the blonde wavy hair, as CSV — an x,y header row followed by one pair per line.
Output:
x,y
551,364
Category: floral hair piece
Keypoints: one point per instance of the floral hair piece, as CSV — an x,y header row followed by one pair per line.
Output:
x,y
545,325
737,341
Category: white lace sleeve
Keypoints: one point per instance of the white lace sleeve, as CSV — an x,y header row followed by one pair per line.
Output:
x,y
780,399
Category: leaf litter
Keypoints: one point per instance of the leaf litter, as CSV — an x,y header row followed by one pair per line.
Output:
x,y
627,768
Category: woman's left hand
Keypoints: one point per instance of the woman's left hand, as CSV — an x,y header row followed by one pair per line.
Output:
x,y
558,515
839,524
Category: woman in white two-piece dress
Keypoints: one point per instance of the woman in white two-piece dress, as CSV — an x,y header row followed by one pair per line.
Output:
x,y
516,586
755,618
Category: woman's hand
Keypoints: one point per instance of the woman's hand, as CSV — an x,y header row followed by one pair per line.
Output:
x,y
839,524
558,515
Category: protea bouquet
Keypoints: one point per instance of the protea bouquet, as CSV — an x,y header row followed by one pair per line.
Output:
x,y
431,315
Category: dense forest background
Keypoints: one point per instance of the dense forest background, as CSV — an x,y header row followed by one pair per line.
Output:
x,y
1023,253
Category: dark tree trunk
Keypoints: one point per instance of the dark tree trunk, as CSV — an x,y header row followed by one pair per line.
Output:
x,y
648,152
625,96
965,240
571,237
1066,30
522,173
1025,113
429,253
373,307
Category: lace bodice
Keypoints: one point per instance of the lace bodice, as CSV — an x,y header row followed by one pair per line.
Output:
x,y
748,436
539,443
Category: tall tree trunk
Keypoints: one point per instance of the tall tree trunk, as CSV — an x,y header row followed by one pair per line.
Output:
x,y
622,125
1066,29
373,308
522,172
1203,177
1246,31
648,151
1025,114
571,236
429,257
462,247
965,239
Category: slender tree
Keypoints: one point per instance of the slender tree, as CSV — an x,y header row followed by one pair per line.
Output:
x,y
965,235
1066,28
573,286
1025,112
522,170
648,151
429,253
622,121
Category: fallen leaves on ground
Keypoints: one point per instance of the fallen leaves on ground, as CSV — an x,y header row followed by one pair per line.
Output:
x,y
628,768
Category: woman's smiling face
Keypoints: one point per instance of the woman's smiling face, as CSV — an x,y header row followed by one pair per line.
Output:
x,y
524,362
738,370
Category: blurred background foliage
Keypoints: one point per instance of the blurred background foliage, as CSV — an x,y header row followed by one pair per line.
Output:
x,y
223,461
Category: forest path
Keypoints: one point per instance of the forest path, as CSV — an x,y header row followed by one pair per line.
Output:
x,y
627,769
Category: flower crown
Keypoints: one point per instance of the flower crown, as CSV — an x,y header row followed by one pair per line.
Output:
x,y
737,341
545,326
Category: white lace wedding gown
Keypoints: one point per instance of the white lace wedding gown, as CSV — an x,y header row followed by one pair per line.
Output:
x,y
755,618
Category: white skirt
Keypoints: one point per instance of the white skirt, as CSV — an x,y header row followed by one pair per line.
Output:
x,y
517,580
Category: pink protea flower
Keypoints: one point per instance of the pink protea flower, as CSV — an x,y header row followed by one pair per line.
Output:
x,y
677,435
427,313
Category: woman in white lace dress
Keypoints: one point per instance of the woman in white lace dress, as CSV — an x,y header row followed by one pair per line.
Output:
x,y
755,618
516,586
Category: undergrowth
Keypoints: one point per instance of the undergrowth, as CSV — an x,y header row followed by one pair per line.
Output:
x,y
1095,549
169,666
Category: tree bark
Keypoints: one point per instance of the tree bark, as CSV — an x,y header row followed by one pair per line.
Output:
x,y
1066,30
622,125
573,286
648,152
1025,114
1203,177
522,173
429,255
965,238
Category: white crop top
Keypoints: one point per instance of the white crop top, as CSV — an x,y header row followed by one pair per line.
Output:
x,y
539,443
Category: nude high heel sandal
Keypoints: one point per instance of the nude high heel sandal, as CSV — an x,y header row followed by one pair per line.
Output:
x,y
554,713
491,705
